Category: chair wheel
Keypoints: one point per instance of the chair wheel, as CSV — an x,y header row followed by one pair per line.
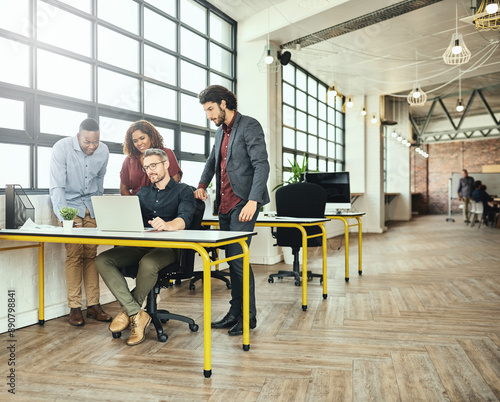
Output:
x,y
194,327
162,337
228,285
192,287
163,320
270,280
321,281
116,335
297,283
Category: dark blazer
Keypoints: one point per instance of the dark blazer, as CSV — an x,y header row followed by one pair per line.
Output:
x,y
247,161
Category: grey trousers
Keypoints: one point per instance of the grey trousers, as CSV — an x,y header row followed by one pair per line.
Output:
x,y
231,221
150,261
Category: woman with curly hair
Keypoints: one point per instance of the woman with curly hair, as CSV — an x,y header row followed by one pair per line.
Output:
x,y
140,136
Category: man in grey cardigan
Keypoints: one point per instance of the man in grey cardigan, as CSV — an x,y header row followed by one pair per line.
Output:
x,y
240,164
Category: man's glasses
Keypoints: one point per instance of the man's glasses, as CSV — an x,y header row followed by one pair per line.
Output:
x,y
152,166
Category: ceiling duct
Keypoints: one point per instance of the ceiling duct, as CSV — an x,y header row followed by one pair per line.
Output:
x,y
364,21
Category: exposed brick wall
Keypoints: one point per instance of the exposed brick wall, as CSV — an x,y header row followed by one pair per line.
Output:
x,y
429,181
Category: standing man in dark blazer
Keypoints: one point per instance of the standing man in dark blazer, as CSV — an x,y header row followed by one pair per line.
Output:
x,y
240,164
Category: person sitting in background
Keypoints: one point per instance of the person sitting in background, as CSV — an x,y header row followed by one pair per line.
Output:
x,y
141,136
480,195
166,206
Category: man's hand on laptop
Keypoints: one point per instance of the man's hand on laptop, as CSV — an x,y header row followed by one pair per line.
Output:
x,y
160,225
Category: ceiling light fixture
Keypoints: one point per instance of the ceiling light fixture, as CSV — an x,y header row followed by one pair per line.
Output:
x,y
417,97
374,118
457,52
363,111
349,102
267,61
334,92
487,16
394,134
492,7
460,102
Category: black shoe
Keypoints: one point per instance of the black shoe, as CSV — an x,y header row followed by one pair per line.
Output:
x,y
227,322
238,327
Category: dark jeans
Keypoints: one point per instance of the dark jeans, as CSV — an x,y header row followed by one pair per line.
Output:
x,y
231,222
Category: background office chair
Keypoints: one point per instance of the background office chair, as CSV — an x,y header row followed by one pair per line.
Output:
x,y
182,269
298,200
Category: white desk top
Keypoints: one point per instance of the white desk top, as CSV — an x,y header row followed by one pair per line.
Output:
x,y
197,236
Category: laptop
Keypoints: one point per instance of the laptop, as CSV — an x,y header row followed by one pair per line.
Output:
x,y
118,213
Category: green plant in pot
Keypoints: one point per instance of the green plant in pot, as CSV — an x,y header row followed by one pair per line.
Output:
x,y
68,214
297,171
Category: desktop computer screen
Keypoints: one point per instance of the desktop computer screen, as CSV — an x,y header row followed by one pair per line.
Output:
x,y
337,188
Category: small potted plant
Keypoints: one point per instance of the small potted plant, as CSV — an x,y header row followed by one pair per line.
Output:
x,y
68,214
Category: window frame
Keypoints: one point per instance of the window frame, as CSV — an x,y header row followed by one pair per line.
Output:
x,y
338,126
34,98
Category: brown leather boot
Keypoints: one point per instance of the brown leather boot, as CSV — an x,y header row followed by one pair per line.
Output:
x,y
96,312
120,322
139,324
76,317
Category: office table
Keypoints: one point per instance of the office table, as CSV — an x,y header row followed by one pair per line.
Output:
x,y
186,239
300,224
344,219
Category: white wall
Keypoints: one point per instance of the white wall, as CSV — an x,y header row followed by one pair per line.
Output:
x,y
20,272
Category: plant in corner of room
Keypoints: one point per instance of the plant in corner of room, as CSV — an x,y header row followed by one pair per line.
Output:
x,y
297,171
68,213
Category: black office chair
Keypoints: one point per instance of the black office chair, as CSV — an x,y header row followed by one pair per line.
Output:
x,y
182,269
298,200
221,275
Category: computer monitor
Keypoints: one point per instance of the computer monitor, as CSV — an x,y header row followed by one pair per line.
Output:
x,y
337,188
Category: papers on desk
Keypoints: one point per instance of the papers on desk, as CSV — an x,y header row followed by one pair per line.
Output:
x,y
30,225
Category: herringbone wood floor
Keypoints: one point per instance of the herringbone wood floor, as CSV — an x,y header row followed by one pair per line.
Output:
x,y
421,324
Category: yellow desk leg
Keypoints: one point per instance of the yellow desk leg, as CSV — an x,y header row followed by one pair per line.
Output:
x,y
41,286
246,295
346,226
304,268
207,315
325,247
360,235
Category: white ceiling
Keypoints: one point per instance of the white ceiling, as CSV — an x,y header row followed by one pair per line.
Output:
x,y
382,58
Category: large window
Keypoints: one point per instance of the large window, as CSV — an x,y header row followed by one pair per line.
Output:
x,y
66,60
312,126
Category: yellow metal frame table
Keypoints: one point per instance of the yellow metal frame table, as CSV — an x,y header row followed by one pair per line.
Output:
x,y
344,219
186,239
300,224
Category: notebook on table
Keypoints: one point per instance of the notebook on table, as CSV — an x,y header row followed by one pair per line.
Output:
x,y
118,213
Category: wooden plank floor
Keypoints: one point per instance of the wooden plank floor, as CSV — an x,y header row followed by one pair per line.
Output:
x,y
421,324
